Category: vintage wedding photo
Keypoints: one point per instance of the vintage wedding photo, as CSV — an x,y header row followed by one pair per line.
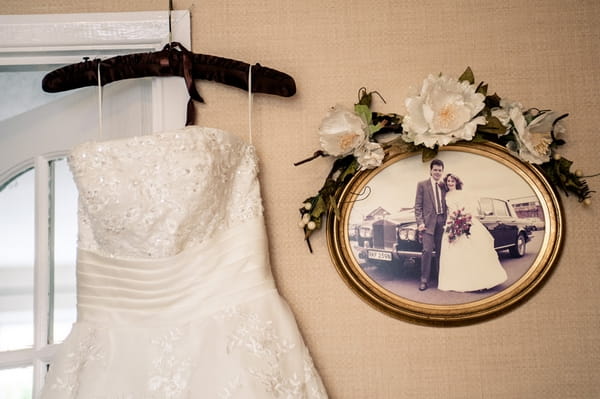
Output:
x,y
454,230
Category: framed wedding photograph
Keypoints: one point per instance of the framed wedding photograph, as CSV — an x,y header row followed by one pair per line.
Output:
x,y
456,239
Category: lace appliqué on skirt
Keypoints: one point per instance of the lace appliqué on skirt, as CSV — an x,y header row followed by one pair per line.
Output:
x,y
171,368
258,338
87,352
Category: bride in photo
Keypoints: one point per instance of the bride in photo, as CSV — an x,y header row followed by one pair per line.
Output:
x,y
468,260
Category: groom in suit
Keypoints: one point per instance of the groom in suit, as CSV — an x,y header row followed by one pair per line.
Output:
x,y
430,213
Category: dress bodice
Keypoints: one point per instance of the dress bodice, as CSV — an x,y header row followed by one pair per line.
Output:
x,y
157,195
458,199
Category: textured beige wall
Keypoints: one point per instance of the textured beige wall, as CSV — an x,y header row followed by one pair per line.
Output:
x,y
543,53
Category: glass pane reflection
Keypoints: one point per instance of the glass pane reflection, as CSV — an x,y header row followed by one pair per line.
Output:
x,y
16,262
16,383
65,241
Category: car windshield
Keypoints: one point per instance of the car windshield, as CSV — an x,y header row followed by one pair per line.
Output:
x,y
403,216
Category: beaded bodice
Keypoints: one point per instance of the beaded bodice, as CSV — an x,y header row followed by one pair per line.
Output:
x,y
157,195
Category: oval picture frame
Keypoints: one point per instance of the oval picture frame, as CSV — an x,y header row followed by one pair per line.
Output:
x,y
376,246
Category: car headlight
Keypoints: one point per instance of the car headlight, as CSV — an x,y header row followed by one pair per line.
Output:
x,y
407,234
403,234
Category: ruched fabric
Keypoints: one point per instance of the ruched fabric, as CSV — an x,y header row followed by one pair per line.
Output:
x,y
180,288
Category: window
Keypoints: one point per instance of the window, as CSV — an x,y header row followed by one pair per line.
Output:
x,y
486,207
500,208
38,198
16,265
37,243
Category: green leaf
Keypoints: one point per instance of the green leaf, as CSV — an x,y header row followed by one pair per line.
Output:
x,y
319,208
492,101
428,154
364,112
559,173
336,210
365,97
564,165
478,138
468,76
349,171
482,88
493,126
375,128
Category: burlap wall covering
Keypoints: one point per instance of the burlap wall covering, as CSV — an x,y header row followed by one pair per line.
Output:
x,y
542,53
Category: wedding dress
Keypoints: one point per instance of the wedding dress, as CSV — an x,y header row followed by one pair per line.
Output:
x,y
469,263
174,289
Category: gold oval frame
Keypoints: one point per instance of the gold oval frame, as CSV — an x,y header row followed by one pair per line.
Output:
x,y
374,294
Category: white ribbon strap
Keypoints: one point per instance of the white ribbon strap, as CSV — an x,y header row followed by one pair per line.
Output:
x,y
99,102
250,95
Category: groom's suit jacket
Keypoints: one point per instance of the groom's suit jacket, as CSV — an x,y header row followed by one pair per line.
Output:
x,y
425,205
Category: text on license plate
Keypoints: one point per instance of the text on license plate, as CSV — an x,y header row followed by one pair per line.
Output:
x,y
379,255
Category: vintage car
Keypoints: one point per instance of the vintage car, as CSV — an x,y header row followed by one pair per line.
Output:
x,y
534,223
396,240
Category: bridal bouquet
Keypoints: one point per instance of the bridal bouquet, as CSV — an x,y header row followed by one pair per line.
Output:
x,y
458,224
446,110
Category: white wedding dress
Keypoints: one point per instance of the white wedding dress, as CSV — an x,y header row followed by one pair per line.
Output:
x,y
469,263
174,289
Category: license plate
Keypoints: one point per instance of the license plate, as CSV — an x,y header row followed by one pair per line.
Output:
x,y
379,255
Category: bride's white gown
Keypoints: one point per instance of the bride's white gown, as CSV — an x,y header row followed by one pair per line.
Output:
x,y
175,294
469,263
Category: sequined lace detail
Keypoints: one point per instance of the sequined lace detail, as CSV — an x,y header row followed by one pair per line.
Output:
x,y
259,339
231,388
156,195
85,353
171,368
313,381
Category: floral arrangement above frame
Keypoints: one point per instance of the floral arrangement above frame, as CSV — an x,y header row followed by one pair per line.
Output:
x,y
446,111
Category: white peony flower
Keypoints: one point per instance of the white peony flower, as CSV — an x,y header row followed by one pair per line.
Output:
x,y
369,155
533,140
503,113
443,113
342,131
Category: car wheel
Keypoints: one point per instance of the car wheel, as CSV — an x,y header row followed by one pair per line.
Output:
x,y
519,249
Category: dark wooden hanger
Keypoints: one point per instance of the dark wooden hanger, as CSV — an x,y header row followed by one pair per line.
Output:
x,y
173,60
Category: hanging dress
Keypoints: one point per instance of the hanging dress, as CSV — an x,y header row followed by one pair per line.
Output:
x,y
175,296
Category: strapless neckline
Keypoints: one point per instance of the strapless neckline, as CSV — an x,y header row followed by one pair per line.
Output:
x,y
156,195
175,297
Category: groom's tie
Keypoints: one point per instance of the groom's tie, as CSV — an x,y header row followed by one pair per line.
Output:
x,y
438,203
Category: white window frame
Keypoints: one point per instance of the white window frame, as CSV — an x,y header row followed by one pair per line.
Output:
x,y
63,39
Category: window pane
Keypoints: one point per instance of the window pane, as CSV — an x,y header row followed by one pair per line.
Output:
x,y
486,206
16,262
65,242
16,383
22,89
500,208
